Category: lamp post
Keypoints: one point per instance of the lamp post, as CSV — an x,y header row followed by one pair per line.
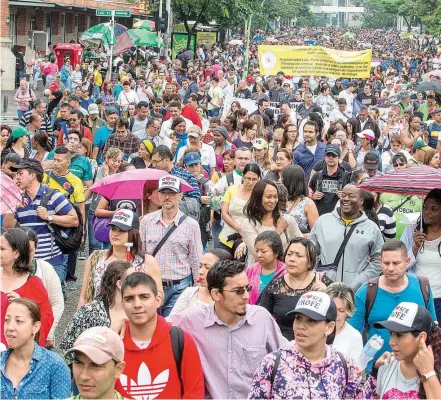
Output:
x,y
247,50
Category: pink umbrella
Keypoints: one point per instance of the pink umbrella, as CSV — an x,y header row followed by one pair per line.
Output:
x,y
10,195
130,184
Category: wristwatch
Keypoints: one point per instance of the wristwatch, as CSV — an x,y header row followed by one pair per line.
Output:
x,y
425,377
50,218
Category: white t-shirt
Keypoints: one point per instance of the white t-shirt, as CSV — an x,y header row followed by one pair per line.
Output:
x,y
124,99
207,155
166,127
392,384
349,342
312,149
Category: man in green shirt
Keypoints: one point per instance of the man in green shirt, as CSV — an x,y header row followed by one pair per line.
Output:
x,y
427,106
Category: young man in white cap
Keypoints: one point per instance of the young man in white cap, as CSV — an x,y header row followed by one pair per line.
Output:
x,y
94,121
98,363
174,240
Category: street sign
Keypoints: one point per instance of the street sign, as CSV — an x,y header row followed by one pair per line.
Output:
x,y
122,13
103,13
115,13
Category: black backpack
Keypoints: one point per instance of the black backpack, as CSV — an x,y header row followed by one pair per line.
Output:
x,y
372,290
68,243
177,339
205,214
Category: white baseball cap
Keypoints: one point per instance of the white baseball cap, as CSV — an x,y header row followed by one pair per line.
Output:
x,y
170,182
316,305
407,317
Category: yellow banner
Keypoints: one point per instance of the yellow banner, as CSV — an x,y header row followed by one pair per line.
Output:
x,y
207,38
314,60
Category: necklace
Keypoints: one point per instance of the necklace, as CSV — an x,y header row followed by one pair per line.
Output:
x,y
301,283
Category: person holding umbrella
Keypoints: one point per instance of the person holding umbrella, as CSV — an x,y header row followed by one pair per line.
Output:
x,y
423,243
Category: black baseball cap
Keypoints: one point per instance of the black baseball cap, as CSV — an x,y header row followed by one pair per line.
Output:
x,y
371,161
333,149
28,163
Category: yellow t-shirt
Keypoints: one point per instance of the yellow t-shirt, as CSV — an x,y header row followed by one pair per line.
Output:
x,y
78,194
347,221
231,192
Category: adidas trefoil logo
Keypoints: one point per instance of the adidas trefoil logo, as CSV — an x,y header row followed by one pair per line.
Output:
x,y
145,389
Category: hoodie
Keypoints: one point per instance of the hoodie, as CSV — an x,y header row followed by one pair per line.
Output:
x,y
361,256
152,373
297,378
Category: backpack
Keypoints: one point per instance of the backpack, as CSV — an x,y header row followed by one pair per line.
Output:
x,y
372,290
68,242
276,367
205,213
177,339
230,179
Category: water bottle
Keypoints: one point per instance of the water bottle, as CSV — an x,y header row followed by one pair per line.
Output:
x,y
371,348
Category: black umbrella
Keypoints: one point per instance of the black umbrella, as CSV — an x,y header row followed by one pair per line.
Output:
x,y
436,86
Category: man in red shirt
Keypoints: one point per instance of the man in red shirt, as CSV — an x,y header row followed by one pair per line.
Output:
x,y
75,124
187,111
154,367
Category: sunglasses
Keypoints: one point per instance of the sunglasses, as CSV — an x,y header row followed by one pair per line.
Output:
x,y
240,291
398,165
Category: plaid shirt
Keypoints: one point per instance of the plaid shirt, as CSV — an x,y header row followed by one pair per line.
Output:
x,y
181,253
128,146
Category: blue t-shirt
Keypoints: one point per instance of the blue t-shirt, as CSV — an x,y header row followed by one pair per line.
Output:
x,y
86,103
101,136
385,302
434,132
265,279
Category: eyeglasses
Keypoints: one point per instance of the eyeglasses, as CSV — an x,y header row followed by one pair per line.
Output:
x,y
399,165
240,291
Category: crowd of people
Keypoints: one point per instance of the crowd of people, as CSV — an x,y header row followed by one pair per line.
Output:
x,y
251,264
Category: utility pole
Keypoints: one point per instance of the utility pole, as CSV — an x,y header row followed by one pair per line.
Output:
x,y
157,28
169,26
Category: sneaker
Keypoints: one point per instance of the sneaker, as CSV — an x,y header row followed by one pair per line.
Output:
x,y
82,255
71,285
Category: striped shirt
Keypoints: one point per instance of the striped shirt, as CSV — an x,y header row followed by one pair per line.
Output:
x,y
388,223
47,249
45,122
181,253
190,179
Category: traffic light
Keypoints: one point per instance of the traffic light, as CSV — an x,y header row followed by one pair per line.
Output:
x,y
162,21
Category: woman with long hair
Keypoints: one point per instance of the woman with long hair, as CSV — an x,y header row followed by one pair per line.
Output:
x,y
105,310
386,218
5,133
233,203
97,263
414,371
198,295
290,139
283,292
369,207
413,132
18,280
299,206
107,96
269,263
283,159
179,136
423,243
41,146
263,213
151,202
248,136
230,124
30,371
201,112
221,146
234,108
260,133
347,339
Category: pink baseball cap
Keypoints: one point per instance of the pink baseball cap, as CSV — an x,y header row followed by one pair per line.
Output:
x,y
101,344
366,134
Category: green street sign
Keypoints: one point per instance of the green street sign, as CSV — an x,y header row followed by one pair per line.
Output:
x,y
122,13
103,13
116,13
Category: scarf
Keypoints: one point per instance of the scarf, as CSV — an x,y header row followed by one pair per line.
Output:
x,y
183,141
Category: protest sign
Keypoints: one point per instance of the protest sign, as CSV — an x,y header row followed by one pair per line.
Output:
x,y
314,60
207,38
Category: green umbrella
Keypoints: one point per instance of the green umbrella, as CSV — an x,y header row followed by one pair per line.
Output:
x,y
101,33
141,37
349,35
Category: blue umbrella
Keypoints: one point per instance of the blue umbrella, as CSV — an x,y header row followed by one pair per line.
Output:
x,y
258,38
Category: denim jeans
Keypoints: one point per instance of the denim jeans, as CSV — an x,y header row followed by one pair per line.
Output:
x,y
20,114
93,243
61,270
71,263
213,113
437,303
216,229
35,79
171,294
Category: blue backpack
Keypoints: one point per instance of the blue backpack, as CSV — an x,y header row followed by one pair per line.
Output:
x,y
64,74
